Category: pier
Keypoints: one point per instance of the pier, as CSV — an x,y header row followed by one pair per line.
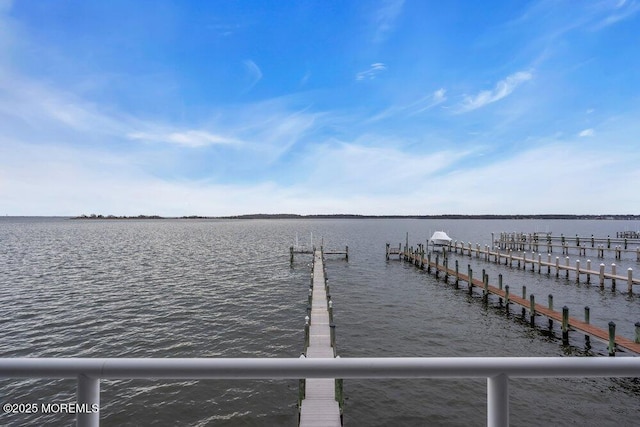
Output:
x,y
417,257
533,241
302,250
536,260
319,406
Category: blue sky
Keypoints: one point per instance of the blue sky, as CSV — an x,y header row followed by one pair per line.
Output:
x,y
365,107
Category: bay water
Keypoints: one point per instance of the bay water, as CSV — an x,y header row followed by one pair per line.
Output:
x,y
226,288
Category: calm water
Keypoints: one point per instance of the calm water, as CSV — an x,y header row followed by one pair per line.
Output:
x,y
216,288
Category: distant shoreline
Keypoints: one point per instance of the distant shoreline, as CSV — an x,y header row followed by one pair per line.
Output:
x,y
353,216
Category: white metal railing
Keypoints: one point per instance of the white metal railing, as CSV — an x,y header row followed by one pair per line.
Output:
x,y
497,370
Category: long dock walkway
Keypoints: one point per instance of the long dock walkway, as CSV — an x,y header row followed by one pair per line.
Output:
x,y
319,407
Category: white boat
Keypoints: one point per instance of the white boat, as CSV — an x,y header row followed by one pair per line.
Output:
x,y
440,239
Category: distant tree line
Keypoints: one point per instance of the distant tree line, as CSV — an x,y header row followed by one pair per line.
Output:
x,y
354,216
94,216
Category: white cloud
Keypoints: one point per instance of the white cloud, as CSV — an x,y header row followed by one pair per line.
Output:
x,y
385,18
32,105
586,132
623,10
190,138
502,89
358,180
333,177
438,97
372,72
343,167
416,107
254,72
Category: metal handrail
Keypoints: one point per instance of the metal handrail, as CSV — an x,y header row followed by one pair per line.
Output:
x,y
497,370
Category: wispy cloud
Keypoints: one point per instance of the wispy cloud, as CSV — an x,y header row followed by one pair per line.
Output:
x,y
586,132
436,98
417,107
254,74
372,72
31,108
502,89
305,79
385,18
621,11
344,166
190,138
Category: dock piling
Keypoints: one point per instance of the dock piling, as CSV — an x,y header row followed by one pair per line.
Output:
x,y
613,277
587,315
485,291
612,339
506,298
532,310
565,325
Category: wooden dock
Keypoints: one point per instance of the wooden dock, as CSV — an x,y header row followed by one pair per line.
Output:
x,y
578,269
303,250
319,406
534,241
417,258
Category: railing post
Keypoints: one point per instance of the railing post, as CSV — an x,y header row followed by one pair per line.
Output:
x,y
498,401
88,394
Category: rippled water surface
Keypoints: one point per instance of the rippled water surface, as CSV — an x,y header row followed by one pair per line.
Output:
x,y
224,288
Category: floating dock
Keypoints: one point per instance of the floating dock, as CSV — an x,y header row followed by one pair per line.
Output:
x,y
320,406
